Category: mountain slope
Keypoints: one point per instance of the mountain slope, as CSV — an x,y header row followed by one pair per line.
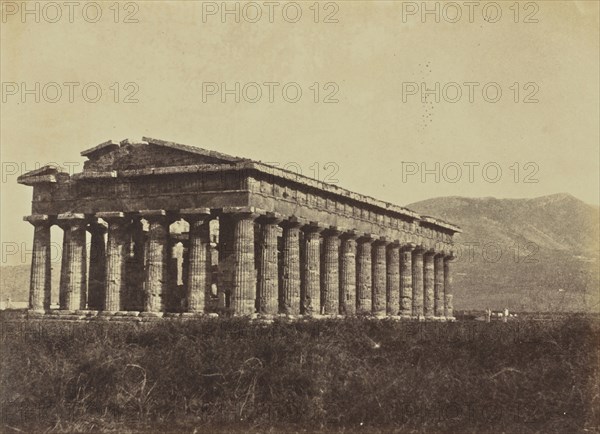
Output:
x,y
526,254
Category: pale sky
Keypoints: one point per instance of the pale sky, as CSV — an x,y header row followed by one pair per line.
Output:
x,y
368,57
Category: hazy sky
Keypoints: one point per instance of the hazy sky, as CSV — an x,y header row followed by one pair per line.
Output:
x,y
372,61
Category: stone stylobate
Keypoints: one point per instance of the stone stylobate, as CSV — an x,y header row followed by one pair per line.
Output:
x,y
179,230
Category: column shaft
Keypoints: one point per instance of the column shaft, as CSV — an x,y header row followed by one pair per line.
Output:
x,y
417,280
348,276
363,276
330,289
311,269
198,265
156,267
448,306
379,278
439,285
97,270
290,273
268,271
40,279
73,268
243,295
116,256
428,285
393,280
406,308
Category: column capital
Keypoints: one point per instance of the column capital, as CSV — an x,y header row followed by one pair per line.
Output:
x,y
430,252
408,247
69,219
366,238
313,227
96,227
194,214
450,256
381,240
293,222
243,212
332,231
271,218
38,219
349,235
110,215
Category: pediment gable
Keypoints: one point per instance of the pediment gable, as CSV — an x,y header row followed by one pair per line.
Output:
x,y
149,153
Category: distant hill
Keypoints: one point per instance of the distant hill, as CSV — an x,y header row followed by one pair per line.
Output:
x,y
525,254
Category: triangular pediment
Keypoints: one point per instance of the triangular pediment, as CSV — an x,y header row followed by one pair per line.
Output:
x,y
149,153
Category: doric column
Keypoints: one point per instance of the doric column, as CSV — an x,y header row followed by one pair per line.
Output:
x,y
117,250
417,280
379,277
330,288
268,265
393,279
74,262
448,306
267,285
428,285
156,256
40,281
290,272
348,274
363,275
198,259
406,292
137,264
225,249
311,270
438,266
243,294
97,270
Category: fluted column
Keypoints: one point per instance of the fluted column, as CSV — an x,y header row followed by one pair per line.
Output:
x,y
363,275
72,292
225,249
330,288
40,279
311,270
379,278
137,264
198,259
348,274
393,279
439,285
117,250
417,280
290,273
406,292
243,295
268,266
428,285
97,269
155,286
448,306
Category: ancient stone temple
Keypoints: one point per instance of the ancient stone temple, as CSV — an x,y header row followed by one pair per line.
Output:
x,y
156,228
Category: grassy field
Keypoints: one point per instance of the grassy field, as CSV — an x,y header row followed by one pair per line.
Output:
x,y
353,375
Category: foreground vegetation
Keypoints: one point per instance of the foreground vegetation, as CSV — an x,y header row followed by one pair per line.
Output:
x,y
353,375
